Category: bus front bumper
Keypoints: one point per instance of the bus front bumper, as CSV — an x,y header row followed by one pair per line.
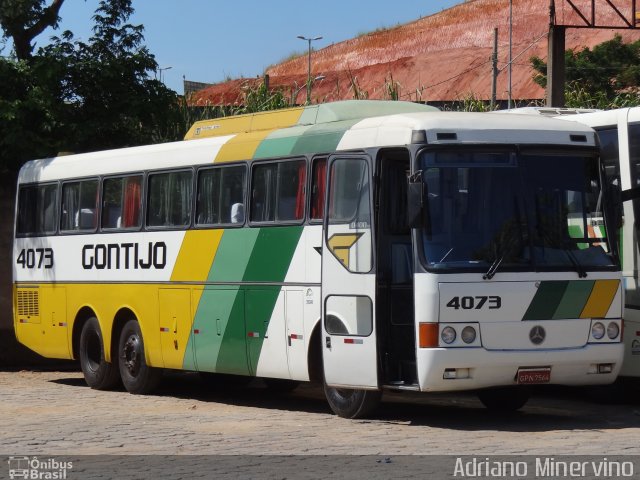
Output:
x,y
451,369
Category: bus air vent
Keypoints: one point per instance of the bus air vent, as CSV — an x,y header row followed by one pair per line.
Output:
x,y
28,303
447,136
578,138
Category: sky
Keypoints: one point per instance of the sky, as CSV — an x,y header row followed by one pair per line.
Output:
x,y
213,40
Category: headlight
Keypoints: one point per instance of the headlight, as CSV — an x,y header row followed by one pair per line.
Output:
x,y
468,335
613,330
448,335
597,330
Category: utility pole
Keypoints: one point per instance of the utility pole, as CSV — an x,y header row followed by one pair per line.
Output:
x,y
494,68
510,48
556,72
302,37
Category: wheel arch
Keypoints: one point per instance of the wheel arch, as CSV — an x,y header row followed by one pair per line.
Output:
x,y
314,354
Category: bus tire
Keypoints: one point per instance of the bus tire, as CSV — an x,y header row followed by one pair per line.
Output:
x,y
504,399
137,376
98,373
352,403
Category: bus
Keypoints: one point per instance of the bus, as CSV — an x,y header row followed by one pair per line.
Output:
x,y
363,245
619,134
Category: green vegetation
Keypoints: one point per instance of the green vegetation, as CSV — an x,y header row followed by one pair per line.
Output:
x,y
391,88
606,77
471,103
260,99
77,96
357,92
380,29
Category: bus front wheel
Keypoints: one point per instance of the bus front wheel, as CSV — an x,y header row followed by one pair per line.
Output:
x,y
98,373
137,376
352,403
505,399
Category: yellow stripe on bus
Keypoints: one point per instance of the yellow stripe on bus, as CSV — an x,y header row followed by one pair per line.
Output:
x,y
196,255
244,145
602,295
241,147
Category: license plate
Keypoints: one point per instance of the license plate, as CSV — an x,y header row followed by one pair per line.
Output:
x,y
531,376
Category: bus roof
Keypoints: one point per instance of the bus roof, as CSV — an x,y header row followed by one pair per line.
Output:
x,y
299,116
337,127
608,118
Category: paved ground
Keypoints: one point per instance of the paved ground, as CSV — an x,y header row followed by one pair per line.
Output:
x,y
55,413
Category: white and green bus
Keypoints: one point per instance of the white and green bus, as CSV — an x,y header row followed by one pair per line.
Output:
x,y
619,133
365,245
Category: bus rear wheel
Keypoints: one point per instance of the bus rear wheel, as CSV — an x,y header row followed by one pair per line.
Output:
x,y
137,376
504,399
352,403
98,373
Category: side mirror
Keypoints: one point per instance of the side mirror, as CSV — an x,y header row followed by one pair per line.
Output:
x,y
630,194
415,207
617,197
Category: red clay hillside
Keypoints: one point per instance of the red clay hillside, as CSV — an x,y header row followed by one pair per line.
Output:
x,y
442,57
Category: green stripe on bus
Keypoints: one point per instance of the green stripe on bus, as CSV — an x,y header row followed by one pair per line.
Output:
x,y
259,307
280,143
270,261
231,322
546,300
272,254
574,299
233,255
220,344
322,138
232,356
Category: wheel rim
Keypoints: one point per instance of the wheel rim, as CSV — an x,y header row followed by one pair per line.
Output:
x,y
93,351
132,355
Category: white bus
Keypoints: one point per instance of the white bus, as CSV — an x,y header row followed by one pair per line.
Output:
x,y
619,133
364,245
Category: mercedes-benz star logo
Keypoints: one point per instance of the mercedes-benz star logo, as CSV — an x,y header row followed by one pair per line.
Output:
x,y
537,335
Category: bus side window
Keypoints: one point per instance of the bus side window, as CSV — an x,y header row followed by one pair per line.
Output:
x,y
609,153
221,196
278,191
291,183
169,203
79,206
263,190
121,200
37,210
318,188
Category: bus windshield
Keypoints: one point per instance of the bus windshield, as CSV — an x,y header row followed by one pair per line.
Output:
x,y
508,211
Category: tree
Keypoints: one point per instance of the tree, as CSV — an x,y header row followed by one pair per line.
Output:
x,y
607,75
75,96
24,20
110,99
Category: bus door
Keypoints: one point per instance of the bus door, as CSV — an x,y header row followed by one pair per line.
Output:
x,y
348,276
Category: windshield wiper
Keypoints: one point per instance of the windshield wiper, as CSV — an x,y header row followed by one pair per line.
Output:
x,y
493,268
582,273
